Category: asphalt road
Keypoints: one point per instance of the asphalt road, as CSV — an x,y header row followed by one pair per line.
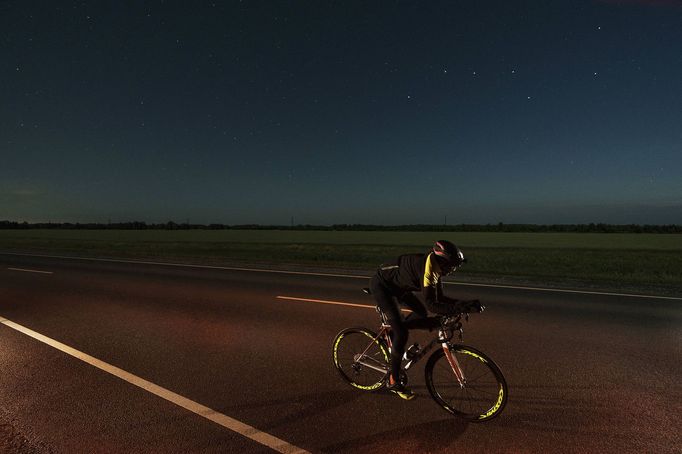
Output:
x,y
586,372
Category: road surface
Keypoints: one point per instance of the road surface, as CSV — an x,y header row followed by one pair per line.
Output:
x,y
100,356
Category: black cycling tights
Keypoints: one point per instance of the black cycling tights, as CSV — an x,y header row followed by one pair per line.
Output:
x,y
390,304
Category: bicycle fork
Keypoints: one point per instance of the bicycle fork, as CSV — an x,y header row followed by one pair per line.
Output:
x,y
454,364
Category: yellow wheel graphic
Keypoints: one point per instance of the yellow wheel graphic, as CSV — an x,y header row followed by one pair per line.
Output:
x,y
483,393
361,359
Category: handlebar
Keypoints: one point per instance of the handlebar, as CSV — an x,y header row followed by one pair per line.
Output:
x,y
453,322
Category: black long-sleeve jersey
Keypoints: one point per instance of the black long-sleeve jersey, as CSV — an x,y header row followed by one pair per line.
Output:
x,y
418,273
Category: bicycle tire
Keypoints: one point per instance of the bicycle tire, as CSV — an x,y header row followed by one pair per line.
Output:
x,y
346,348
484,394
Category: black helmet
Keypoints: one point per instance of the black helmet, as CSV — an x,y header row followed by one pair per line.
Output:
x,y
449,254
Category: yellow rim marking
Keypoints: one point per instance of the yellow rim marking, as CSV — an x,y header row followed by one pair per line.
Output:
x,y
336,361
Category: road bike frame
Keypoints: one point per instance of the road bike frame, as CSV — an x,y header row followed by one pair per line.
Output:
x,y
362,358
443,338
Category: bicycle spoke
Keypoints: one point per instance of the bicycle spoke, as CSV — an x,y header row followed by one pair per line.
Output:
x,y
480,397
479,390
366,372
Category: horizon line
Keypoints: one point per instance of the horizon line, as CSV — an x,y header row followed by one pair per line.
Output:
x,y
171,223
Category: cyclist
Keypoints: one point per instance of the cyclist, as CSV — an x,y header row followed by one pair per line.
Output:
x,y
394,284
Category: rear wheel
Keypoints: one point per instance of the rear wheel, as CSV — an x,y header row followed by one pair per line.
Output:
x,y
483,394
361,359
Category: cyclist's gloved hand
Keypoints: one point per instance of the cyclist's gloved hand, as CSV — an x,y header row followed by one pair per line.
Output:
x,y
472,306
456,308
464,307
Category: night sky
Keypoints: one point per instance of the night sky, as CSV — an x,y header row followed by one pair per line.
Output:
x,y
341,112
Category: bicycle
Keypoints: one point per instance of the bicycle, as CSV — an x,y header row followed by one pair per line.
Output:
x,y
463,380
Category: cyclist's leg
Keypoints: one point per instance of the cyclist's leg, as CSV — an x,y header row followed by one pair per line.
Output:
x,y
387,302
418,309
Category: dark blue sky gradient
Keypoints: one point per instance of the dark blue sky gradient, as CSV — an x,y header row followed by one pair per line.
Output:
x,y
342,112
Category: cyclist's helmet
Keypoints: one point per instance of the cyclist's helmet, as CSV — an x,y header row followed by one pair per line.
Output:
x,y
449,255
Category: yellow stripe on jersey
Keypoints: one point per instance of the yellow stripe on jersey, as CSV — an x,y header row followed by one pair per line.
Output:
x,y
432,272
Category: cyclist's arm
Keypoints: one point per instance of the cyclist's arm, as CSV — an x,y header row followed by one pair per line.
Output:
x,y
455,305
446,305
432,289
443,298
442,305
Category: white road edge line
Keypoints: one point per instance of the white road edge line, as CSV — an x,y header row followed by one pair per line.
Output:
x,y
30,271
337,303
260,270
229,423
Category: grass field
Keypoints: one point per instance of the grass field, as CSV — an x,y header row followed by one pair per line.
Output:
x,y
608,261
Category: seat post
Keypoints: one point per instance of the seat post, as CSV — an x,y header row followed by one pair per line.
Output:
x,y
384,320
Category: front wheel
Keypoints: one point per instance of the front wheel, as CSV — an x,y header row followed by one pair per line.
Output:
x,y
361,358
480,396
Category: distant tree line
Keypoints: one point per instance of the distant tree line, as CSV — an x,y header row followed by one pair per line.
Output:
x,y
499,227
